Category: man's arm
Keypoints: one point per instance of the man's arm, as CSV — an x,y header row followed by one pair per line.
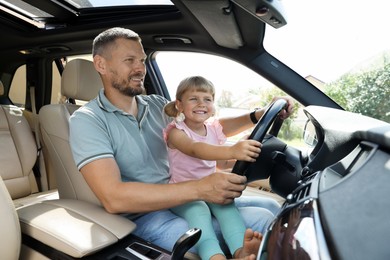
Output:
x,y
103,177
234,125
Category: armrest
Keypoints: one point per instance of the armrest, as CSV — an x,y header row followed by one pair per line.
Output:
x,y
74,227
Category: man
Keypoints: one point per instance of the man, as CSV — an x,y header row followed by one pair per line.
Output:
x,y
123,157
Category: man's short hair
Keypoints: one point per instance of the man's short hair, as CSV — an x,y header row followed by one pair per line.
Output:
x,y
108,37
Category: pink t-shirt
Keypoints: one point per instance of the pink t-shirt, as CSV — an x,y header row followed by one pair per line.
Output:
x,y
183,167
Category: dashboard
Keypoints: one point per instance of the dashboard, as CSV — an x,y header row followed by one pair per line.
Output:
x,y
340,207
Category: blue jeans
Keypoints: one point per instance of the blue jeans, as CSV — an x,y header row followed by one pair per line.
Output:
x,y
163,228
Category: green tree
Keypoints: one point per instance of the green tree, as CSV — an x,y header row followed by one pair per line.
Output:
x,y
365,92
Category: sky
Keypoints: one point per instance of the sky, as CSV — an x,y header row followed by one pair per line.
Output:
x,y
326,39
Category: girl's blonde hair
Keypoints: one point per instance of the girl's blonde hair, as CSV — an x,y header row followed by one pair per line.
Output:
x,y
197,83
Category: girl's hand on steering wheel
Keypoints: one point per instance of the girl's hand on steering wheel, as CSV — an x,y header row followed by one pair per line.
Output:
x,y
246,150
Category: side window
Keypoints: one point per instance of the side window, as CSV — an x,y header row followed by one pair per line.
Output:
x,y
238,89
17,92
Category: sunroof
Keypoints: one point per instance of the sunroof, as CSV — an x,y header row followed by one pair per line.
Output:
x,y
24,8
24,11
52,9
104,3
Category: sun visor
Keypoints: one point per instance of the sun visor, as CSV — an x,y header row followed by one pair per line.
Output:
x,y
222,26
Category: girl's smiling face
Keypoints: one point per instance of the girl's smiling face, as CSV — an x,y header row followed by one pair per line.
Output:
x,y
197,106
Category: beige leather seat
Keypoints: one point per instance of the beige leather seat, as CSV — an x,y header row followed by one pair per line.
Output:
x,y
80,81
18,186
18,154
10,239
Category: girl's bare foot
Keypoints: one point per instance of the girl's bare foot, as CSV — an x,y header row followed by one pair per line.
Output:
x,y
250,248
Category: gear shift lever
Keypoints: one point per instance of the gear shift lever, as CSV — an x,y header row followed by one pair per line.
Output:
x,y
185,242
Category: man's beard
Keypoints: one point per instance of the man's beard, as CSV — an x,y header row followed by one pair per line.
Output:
x,y
127,90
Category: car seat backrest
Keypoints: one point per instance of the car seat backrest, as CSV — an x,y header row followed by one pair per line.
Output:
x,y
79,81
18,152
10,239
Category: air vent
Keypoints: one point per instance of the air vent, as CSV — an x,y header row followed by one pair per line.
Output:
x,y
303,193
300,194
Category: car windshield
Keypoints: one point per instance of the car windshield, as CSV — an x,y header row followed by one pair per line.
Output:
x,y
341,47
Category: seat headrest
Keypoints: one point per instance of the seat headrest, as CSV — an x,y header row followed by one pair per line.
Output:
x,y
80,80
1,88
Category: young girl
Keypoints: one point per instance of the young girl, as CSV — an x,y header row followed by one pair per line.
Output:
x,y
195,143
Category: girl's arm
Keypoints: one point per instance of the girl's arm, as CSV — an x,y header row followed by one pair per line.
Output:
x,y
234,125
246,150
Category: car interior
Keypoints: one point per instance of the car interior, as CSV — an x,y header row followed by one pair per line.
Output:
x,y
50,212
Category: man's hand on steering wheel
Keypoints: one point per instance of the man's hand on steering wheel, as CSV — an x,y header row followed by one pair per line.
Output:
x,y
286,112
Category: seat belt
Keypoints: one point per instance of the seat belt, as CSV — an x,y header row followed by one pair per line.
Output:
x,y
40,173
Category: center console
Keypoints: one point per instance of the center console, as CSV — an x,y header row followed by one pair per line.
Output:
x,y
73,229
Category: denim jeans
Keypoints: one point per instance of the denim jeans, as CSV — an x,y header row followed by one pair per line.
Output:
x,y
163,227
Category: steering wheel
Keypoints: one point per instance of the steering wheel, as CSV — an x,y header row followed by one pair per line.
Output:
x,y
269,117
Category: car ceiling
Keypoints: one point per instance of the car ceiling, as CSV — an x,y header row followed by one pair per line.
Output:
x,y
71,31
